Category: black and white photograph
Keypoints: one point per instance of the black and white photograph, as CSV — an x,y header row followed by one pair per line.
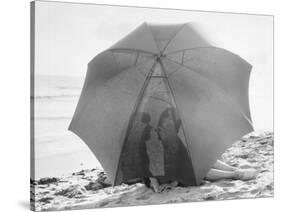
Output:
x,y
136,106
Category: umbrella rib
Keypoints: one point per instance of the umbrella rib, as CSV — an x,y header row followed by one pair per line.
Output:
x,y
200,47
154,39
133,65
217,86
157,98
131,50
189,49
136,59
170,40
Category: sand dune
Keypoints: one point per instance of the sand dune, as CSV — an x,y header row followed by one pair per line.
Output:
x,y
91,188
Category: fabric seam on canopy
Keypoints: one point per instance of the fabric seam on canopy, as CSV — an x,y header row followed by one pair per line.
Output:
x,y
172,38
219,88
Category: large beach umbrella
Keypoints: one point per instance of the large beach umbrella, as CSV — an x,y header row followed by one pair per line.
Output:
x,y
163,102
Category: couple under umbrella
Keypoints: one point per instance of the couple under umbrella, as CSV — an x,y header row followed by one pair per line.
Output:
x,y
163,104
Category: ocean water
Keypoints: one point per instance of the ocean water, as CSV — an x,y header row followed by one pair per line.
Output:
x,y
60,152
57,150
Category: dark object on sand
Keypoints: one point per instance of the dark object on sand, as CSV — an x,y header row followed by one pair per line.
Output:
x,y
47,180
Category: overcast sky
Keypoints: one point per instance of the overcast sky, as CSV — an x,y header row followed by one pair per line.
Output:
x,y
69,35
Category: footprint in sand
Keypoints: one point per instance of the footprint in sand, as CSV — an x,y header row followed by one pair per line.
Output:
x,y
46,199
103,204
250,182
252,160
255,191
226,184
207,190
245,166
142,198
80,200
231,195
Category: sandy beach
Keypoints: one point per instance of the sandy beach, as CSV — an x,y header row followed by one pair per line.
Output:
x,y
91,189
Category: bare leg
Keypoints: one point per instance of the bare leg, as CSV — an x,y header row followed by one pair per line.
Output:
x,y
168,186
154,184
238,174
223,166
216,174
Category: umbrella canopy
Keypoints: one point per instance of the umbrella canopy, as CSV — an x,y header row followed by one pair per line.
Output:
x,y
163,102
